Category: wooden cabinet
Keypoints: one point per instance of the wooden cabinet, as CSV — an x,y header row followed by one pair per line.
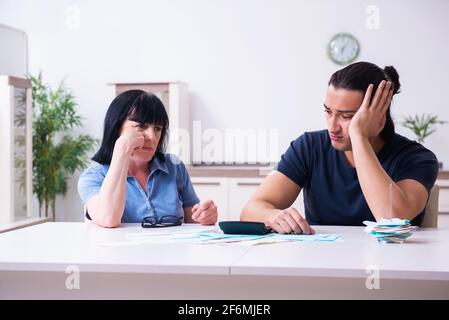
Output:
x,y
174,96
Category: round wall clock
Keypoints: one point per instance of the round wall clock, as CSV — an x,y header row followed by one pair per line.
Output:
x,y
343,48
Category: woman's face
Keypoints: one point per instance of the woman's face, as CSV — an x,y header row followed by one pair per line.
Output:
x,y
152,135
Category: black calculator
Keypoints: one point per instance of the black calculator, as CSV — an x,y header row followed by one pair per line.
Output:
x,y
244,227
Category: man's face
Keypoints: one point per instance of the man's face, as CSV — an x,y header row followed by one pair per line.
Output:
x,y
340,106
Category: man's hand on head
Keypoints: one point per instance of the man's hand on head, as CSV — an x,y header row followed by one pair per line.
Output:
x,y
370,119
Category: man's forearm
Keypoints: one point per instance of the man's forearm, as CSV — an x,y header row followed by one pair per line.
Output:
x,y
257,210
375,183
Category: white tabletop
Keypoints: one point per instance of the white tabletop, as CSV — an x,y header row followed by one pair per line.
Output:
x,y
54,246
424,256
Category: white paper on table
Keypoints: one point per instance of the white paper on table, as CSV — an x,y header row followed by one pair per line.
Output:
x,y
154,233
274,238
213,236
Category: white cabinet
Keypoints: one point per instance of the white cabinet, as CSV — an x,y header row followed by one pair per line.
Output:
x,y
215,189
240,190
231,194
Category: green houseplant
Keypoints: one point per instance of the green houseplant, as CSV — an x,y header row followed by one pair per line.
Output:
x,y
56,154
422,125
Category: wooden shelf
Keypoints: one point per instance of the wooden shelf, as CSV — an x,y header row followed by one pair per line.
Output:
x,y
443,175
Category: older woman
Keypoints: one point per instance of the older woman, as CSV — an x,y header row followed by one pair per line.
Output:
x,y
134,180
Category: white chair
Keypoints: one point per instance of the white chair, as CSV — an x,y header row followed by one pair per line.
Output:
x,y
431,212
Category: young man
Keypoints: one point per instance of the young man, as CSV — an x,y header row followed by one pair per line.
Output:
x,y
346,172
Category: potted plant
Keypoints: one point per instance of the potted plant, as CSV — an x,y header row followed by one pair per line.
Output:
x,y
56,153
422,126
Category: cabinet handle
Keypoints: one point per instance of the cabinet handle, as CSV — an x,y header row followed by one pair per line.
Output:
x,y
207,183
248,183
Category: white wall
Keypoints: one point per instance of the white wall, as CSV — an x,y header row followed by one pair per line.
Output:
x,y
13,51
248,63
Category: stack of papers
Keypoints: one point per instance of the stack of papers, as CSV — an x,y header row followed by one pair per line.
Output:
x,y
390,230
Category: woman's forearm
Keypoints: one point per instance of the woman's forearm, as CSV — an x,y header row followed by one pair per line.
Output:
x,y
107,207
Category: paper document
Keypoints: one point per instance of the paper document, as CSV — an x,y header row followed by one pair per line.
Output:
x,y
215,236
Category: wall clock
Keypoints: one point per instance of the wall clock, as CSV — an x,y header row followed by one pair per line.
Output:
x,y
343,48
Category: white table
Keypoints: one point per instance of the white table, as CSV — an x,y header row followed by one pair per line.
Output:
x,y
34,261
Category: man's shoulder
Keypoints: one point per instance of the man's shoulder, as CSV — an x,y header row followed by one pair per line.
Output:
x,y
318,134
313,139
405,147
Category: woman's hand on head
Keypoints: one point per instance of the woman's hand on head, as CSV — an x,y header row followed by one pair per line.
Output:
x,y
205,213
130,139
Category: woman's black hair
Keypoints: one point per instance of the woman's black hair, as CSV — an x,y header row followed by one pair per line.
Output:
x,y
358,76
134,105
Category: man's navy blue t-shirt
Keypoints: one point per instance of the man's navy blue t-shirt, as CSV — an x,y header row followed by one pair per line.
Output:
x,y
332,193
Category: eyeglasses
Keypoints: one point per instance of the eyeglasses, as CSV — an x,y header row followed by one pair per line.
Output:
x,y
164,221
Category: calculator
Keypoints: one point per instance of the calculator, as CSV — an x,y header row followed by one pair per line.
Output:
x,y
244,227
